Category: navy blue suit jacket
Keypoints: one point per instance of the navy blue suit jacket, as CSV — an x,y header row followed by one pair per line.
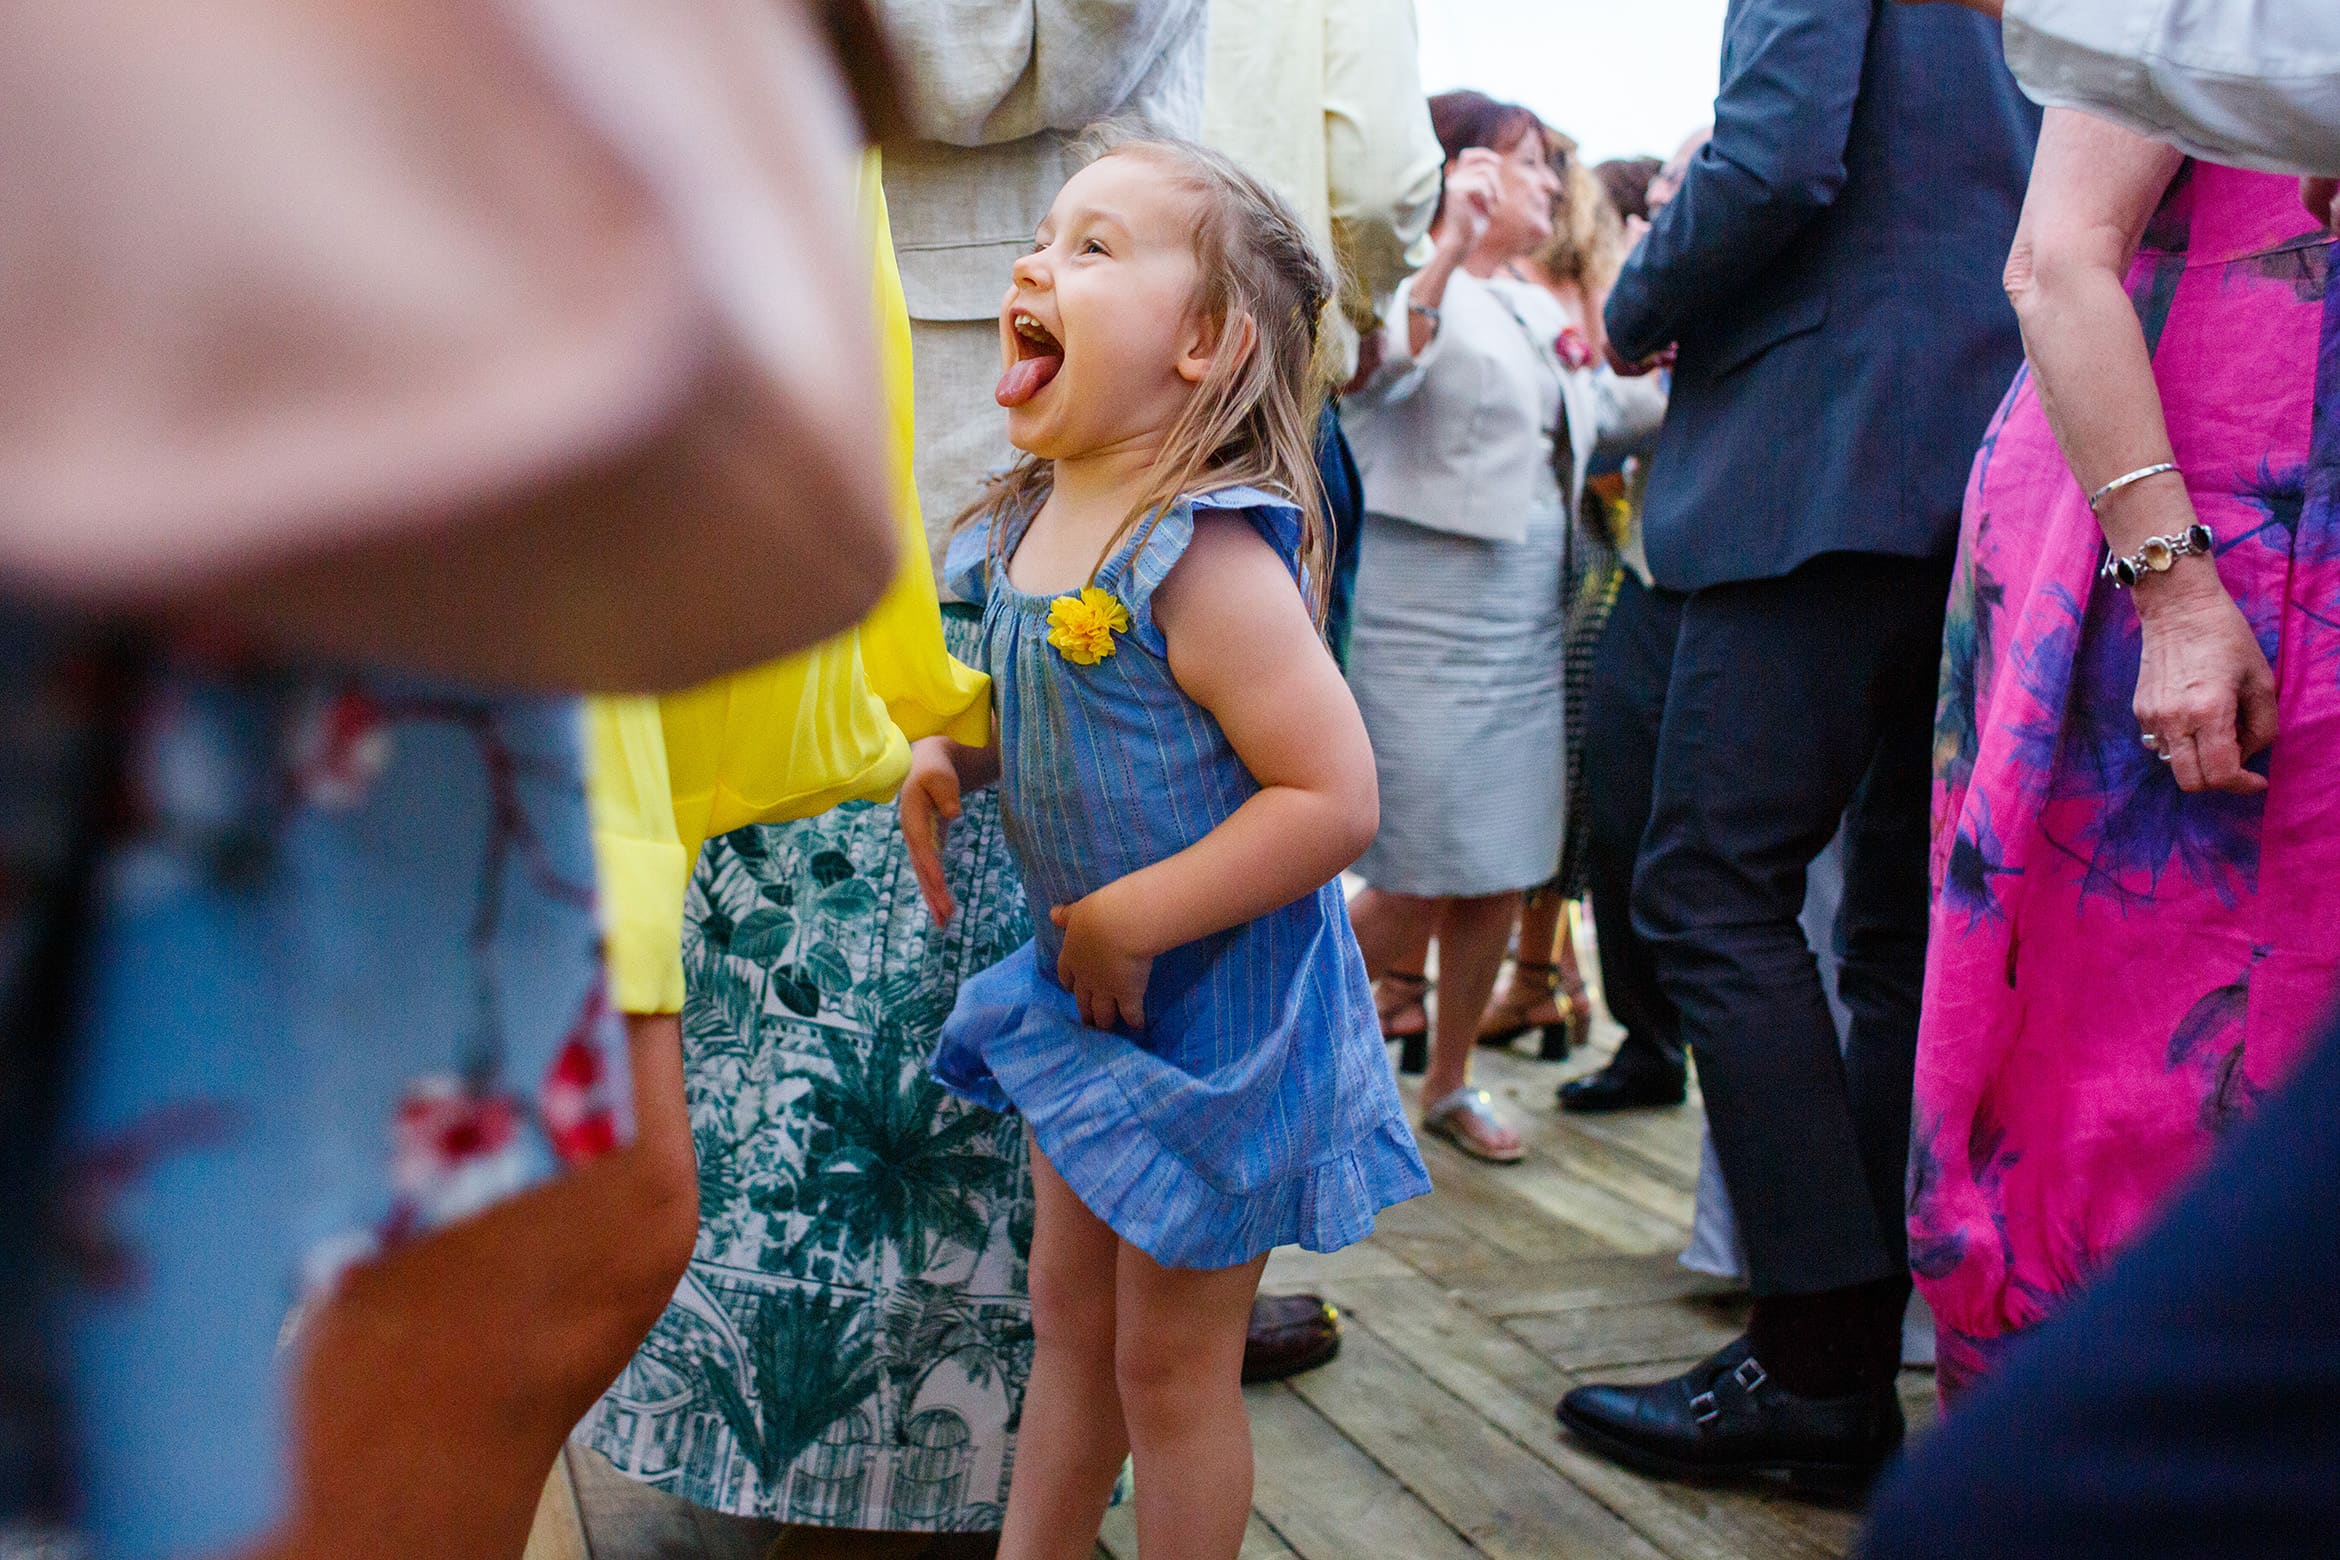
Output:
x,y
1831,271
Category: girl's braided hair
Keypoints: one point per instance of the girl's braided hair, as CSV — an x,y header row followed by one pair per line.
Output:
x,y
1252,420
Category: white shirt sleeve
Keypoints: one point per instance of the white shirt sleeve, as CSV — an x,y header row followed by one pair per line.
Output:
x,y
2251,85
1382,160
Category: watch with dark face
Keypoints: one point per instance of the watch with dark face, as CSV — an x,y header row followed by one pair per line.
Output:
x,y
2155,555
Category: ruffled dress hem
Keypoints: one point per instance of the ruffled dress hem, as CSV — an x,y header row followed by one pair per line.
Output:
x,y
1025,1059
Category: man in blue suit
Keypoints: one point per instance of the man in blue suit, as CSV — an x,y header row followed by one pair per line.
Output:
x,y
1829,276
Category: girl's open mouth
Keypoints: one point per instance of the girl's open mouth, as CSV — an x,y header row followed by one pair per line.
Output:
x,y
1038,357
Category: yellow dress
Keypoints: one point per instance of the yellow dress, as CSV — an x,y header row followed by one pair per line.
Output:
x,y
784,740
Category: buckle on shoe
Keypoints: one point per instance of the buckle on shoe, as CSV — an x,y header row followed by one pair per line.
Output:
x,y
1750,1374
1705,1409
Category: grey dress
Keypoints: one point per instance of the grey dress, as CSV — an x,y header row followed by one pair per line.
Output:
x,y
1457,650
1455,657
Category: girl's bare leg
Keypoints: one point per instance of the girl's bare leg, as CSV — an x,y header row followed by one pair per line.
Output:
x,y
1070,1442
1179,1359
436,1387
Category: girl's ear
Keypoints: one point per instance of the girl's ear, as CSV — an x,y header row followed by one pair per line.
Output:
x,y
1205,343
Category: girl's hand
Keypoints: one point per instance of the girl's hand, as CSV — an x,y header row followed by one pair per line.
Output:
x,y
930,800
1102,965
2204,689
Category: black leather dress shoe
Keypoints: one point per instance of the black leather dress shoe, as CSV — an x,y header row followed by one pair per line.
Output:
x,y
1289,1334
1725,1418
1615,1088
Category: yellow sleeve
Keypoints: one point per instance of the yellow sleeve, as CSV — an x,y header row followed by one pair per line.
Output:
x,y
834,723
925,690
643,866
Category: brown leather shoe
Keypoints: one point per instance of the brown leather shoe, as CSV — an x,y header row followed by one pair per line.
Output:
x,y
1289,1334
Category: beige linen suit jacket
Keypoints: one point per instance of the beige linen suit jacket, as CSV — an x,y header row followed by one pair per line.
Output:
x,y
999,90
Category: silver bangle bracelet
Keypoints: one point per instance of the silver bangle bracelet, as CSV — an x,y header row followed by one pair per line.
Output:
x,y
2127,479
1423,309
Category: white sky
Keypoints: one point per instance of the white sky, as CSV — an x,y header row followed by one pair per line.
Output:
x,y
1624,77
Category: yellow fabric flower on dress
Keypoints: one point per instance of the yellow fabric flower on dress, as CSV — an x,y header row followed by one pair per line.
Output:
x,y
1082,626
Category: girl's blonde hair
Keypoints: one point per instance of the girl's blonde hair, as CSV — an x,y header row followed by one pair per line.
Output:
x,y
1252,420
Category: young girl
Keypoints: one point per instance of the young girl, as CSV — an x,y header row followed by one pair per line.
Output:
x,y
1190,1037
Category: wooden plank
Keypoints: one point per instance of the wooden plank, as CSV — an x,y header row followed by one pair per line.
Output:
x,y
1515,1388
1572,1200
1327,1499
1291,1269
559,1532
1118,1541
1474,1200
1631,1175
1569,1199
1582,1282
1666,1139
1425,1236
1509,1503
1599,1338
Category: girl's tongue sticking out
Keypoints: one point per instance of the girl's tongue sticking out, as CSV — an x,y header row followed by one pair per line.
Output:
x,y
1038,357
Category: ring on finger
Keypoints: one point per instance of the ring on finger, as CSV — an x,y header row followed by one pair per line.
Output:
x,y
2150,739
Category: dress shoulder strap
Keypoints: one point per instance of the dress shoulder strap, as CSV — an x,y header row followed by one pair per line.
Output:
x,y
1154,547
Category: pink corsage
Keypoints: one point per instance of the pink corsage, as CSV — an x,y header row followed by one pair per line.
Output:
x,y
1574,351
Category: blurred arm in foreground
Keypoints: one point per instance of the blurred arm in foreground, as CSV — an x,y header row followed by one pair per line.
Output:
x,y
2249,86
487,400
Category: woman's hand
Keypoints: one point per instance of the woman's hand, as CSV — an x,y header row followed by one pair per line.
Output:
x,y
2204,690
1473,186
1102,965
2322,199
1634,368
930,800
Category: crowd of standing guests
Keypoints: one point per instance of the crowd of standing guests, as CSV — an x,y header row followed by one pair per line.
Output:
x,y
1669,539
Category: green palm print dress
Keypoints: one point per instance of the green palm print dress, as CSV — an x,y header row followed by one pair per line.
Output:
x,y
850,1345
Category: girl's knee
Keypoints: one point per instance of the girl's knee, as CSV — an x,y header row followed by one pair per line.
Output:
x,y
1166,1386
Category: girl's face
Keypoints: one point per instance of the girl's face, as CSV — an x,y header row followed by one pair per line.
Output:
x,y
1522,219
1099,340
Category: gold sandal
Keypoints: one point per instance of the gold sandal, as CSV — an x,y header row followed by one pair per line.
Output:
x,y
1508,1018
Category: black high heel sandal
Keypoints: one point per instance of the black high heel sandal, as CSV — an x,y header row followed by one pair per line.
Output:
x,y
1413,1044
1554,1040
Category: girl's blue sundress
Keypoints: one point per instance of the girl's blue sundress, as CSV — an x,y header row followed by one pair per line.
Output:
x,y
1257,1109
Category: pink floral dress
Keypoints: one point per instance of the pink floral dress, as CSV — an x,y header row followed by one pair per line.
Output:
x,y
2118,970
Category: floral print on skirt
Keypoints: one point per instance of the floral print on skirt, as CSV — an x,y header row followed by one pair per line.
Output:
x,y
850,1346
2118,970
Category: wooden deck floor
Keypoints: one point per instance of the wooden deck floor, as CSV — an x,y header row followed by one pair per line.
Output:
x,y
1468,1314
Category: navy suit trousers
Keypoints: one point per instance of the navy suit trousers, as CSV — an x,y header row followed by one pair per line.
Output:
x,y
1795,703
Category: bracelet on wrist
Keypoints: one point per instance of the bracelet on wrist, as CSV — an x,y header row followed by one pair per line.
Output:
x,y
2128,479
2156,555
1427,311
